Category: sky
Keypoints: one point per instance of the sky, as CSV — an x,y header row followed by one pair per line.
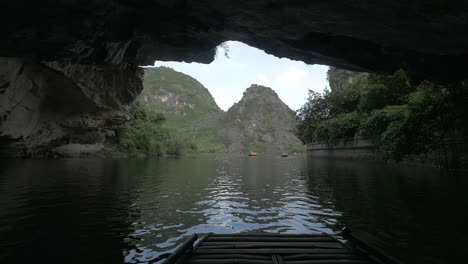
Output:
x,y
228,77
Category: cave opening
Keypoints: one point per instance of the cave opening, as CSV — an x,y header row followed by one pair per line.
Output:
x,y
93,51
171,145
236,66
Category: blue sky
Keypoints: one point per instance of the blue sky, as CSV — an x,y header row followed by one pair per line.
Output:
x,y
227,78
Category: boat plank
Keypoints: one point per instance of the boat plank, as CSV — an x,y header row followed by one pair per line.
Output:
x,y
268,235
270,239
229,261
272,251
333,261
262,248
230,256
213,245
320,256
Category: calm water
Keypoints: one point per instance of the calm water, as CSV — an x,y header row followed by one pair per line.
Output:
x,y
132,211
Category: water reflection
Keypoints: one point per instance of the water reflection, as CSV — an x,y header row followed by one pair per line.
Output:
x,y
224,194
416,213
135,211
68,211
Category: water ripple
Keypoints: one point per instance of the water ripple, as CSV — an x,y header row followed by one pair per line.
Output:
x,y
236,197
139,210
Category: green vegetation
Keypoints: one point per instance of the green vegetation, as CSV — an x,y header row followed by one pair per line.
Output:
x,y
209,140
258,147
407,119
338,78
295,147
259,122
342,126
178,96
146,134
190,110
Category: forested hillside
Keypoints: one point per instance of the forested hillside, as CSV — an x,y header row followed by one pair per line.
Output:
x,y
260,121
405,118
183,116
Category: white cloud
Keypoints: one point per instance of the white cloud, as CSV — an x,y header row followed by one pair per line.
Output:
x,y
291,78
205,68
230,64
227,78
263,80
224,98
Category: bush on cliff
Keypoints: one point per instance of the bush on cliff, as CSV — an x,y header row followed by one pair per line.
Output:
x,y
407,119
146,134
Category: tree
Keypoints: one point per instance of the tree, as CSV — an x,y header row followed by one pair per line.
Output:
x,y
407,119
315,110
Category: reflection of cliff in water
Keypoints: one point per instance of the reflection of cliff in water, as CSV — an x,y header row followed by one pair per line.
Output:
x,y
396,207
222,194
167,191
64,211
133,211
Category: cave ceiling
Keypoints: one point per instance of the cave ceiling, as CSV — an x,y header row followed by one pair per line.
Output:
x,y
427,38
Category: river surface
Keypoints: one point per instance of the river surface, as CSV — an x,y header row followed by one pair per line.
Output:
x,y
135,210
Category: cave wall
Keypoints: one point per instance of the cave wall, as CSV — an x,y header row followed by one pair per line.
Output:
x,y
50,108
69,69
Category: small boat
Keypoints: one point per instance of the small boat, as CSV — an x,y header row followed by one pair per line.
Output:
x,y
284,154
252,153
278,248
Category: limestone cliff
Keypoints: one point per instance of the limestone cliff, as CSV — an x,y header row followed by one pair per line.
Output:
x,y
188,106
338,78
71,67
49,109
176,95
260,121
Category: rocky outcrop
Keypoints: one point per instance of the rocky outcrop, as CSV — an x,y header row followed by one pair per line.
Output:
x,y
176,95
79,58
46,105
428,38
189,108
338,78
260,121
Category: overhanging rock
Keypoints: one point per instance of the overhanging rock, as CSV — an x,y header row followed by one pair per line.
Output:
x,y
70,68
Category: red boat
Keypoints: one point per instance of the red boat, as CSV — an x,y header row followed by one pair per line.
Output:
x,y
284,154
252,153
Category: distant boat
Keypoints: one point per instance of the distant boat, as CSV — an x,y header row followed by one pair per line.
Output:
x,y
284,154
252,153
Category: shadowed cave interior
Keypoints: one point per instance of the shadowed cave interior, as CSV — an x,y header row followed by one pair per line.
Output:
x,y
70,69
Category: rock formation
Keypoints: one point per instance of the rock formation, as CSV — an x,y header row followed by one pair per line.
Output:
x,y
70,67
188,106
260,121
50,106
426,37
340,78
178,96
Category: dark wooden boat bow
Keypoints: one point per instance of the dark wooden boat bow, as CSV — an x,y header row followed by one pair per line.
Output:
x,y
267,248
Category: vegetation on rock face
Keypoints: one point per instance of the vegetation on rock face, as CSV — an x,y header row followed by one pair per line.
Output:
x,y
193,122
178,96
146,134
190,110
339,79
407,119
261,122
